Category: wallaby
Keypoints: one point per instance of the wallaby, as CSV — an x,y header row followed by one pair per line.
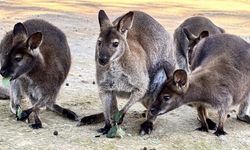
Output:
x,y
130,55
4,93
220,79
183,40
36,56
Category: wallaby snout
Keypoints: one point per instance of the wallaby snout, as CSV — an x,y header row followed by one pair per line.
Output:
x,y
103,58
4,72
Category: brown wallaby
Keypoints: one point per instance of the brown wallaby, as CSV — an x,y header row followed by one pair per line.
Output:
x,y
183,39
36,55
130,55
220,79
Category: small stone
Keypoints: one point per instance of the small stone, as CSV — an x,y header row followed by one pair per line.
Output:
x,y
93,82
55,133
67,84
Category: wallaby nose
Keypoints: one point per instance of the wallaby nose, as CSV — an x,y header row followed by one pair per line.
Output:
x,y
3,73
153,111
103,60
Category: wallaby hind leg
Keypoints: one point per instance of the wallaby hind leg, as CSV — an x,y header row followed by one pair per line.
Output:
x,y
37,124
110,103
4,93
206,123
222,119
244,109
63,111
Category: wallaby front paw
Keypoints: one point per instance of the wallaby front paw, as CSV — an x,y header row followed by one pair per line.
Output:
x,y
146,128
24,115
104,130
219,132
36,126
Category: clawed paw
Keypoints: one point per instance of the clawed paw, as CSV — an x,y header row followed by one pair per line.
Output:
x,y
146,128
36,126
220,132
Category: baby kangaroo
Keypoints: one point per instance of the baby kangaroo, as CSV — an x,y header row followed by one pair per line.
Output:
x,y
36,56
185,37
130,54
221,80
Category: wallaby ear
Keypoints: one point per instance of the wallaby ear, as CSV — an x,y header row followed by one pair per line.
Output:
x,y
19,29
189,35
35,40
180,78
203,34
103,20
125,23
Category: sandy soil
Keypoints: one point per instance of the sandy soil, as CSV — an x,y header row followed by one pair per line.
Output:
x,y
79,22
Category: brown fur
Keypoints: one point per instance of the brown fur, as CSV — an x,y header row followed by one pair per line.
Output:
x,y
220,79
195,26
36,55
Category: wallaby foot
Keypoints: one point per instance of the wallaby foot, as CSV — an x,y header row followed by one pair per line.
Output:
x,y
219,132
202,129
92,119
36,125
244,118
24,115
105,129
146,128
211,124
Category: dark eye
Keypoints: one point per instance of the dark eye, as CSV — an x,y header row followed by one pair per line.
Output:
x,y
115,44
99,43
18,58
166,97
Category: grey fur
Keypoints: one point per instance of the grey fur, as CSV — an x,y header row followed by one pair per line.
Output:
x,y
195,25
145,47
220,78
37,57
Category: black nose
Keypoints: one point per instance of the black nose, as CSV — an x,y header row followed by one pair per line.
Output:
x,y
154,111
3,73
103,60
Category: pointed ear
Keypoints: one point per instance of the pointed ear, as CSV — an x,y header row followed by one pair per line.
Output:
x,y
35,40
189,35
180,78
103,20
203,34
125,23
19,29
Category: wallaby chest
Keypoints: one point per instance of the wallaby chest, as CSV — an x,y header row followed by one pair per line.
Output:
x,y
116,79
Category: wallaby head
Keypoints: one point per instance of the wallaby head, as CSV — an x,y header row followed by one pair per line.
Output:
x,y
20,59
170,96
111,43
193,40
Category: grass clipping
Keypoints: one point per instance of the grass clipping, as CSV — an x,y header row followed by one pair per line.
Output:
x,y
116,130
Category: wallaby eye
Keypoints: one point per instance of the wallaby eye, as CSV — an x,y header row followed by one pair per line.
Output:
x,y
99,42
18,58
115,44
166,97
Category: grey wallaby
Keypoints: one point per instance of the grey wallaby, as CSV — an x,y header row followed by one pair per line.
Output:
x,y
183,40
131,55
219,79
36,55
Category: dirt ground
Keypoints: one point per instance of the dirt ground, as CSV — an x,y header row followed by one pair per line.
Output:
x,y
78,19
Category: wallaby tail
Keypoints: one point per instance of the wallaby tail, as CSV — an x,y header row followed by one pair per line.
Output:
x,y
4,93
91,119
64,112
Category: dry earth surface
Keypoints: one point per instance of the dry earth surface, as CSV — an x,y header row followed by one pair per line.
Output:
x,y
78,19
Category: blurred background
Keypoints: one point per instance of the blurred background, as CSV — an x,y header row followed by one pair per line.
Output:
x,y
232,15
